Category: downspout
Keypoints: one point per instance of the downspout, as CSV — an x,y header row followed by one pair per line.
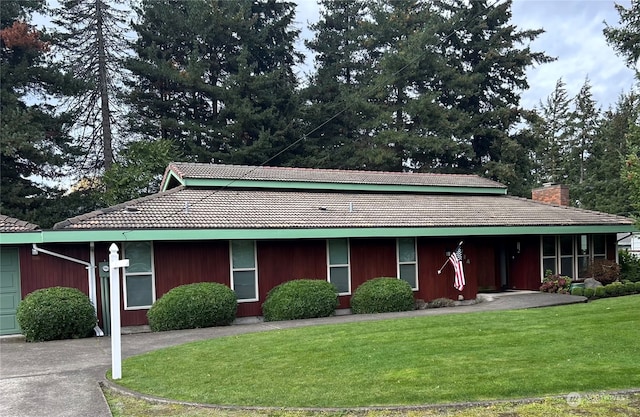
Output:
x,y
91,273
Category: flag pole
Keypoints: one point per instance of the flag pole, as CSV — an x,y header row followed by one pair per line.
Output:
x,y
448,259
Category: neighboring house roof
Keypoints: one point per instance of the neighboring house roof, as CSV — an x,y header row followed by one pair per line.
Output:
x,y
242,176
10,224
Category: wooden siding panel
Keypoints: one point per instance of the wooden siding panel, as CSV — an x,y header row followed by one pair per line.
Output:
x,y
431,256
372,258
44,271
524,267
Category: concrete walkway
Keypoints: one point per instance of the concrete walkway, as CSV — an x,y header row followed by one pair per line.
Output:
x,y
60,378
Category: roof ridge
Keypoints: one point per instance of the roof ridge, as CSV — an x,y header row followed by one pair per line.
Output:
x,y
82,217
336,170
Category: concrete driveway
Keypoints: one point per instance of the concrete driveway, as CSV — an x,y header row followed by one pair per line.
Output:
x,y
60,378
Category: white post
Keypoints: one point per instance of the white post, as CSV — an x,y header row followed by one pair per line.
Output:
x,y
114,285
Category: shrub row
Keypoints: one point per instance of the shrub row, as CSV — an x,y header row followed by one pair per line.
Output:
x,y
62,313
611,290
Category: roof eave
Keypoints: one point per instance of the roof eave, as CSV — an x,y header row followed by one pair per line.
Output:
x,y
114,235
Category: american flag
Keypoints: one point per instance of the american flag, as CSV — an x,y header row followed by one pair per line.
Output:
x,y
456,261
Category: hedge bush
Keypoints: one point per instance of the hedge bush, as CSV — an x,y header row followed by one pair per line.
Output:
x,y
56,313
577,291
192,306
300,299
382,295
629,266
589,292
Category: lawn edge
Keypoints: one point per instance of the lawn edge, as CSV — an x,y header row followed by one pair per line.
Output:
x,y
107,384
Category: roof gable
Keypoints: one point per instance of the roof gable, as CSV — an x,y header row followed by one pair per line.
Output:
x,y
308,179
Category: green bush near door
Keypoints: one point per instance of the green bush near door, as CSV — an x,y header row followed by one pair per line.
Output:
x,y
56,313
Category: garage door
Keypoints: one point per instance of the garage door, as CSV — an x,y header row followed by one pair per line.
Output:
x,y
9,290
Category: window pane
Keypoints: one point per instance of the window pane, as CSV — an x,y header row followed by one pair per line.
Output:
x,y
408,273
338,252
244,285
549,264
566,266
599,245
583,265
242,254
139,291
549,246
566,245
584,245
139,255
406,250
339,276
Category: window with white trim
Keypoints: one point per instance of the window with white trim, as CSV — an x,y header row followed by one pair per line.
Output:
x,y
139,284
338,264
407,261
568,254
244,270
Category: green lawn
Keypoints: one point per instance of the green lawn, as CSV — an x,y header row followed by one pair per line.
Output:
x,y
422,360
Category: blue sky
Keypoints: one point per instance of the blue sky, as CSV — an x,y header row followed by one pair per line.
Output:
x,y
573,34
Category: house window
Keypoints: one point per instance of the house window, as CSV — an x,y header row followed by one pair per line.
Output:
x,y
339,273
244,271
408,261
139,285
567,254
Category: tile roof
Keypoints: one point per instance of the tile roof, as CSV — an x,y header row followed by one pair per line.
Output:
x,y
192,208
284,174
10,224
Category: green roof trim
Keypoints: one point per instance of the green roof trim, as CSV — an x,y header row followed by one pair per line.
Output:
x,y
332,186
70,236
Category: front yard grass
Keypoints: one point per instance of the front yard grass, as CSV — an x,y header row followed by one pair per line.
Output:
x,y
422,360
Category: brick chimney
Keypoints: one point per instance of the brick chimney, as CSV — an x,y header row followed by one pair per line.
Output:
x,y
550,193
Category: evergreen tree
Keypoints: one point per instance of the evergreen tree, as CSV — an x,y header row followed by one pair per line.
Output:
x,y
553,129
336,110
34,142
487,58
586,120
215,77
626,38
606,187
92,43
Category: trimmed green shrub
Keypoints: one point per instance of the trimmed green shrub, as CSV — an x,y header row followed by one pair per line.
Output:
x,y
300,299
600,292
638,287
630,288
56,313
577,291
589,292
615,289
382,295
192,306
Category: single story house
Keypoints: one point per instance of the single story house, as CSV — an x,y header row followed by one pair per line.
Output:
x,y
252,228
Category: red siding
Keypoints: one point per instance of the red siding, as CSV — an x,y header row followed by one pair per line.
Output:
x,y
524,267
372,258
286,260
44,271
432,253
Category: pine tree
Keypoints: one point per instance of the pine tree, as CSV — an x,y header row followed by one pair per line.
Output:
x,y
586,121
553,129
626,38
92,42
336,109
215,77
34,141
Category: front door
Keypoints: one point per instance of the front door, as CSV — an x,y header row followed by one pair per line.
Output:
x,y
9,290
